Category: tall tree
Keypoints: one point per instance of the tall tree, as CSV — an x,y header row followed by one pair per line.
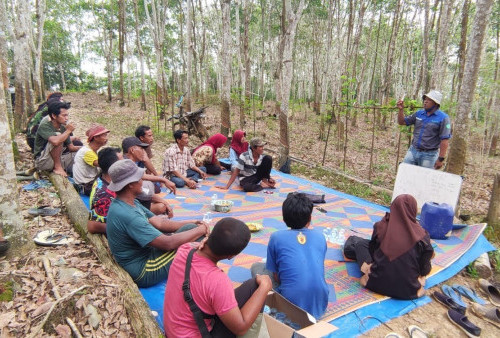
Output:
x,y
226,67
462,48
189,59
287,41
141,55
11,223
36,47
122,31
156,15
458,149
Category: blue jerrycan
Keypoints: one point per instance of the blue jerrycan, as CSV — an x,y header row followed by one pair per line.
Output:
x,y
437,219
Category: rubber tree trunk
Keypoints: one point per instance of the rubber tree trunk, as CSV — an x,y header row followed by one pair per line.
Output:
x,y
494,208
458,149
11,222
226,68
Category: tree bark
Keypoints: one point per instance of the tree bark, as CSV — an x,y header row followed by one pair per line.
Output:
x,y
458,149
494,208
288,40
226,68
463,44
37,50
121,46
141,56
441,52
11,222
189,59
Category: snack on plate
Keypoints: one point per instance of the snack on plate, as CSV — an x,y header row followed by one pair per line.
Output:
x,y
223,205
254,226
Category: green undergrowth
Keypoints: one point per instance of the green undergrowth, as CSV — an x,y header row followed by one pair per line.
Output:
x,y
341,183
6,291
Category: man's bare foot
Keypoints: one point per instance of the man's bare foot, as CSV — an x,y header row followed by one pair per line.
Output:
x,y
264,184
268,183
60,171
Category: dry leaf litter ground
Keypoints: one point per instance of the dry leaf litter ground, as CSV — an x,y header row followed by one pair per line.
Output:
x,y
98,309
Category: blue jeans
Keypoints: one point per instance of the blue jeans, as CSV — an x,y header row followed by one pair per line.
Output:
x,y
191,174
421,158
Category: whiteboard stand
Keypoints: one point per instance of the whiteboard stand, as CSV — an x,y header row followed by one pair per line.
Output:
x,y
427,185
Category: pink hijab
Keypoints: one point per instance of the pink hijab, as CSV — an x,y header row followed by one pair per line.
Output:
x,y
399,230
238,146
215,142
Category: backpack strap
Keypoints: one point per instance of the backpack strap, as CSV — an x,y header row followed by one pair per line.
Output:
x,y
199,315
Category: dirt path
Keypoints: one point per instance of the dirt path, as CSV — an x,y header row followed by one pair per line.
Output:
x,y
76,265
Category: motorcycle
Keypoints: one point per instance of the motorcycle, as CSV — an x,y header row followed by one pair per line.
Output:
x,y
191,121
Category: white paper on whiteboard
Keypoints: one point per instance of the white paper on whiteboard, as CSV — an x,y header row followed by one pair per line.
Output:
x,y
427,185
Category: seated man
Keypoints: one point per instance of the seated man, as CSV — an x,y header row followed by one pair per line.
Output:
x,y
295,258
86,166
100,196
178,165
142,243
52,138
254,169
133,149
36,118
233,311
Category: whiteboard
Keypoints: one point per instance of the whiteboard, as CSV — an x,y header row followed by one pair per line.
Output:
x,y
427,185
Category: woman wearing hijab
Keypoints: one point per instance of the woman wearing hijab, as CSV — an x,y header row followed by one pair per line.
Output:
x,y
398,257
238,146
206,154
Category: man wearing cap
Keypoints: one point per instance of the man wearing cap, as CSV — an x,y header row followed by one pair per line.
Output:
x,y
431,132
179,166
86,168
52,137
253,168
133,149
137,238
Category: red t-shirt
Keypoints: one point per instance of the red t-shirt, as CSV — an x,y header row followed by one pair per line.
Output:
x,y
211,289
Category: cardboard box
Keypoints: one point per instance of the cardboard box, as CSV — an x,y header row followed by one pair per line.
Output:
x,y
309,327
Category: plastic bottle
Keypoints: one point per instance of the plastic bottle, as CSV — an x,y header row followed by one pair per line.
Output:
x,y
341,236
212,203
326,233
333,235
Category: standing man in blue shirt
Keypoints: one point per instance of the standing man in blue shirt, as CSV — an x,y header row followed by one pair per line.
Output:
x,y
431,133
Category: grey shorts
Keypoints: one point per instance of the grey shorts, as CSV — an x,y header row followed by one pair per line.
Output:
x,y
44,162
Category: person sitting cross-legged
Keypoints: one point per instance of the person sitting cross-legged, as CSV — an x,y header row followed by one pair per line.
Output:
x,y
101,196
179,166
143,244
295,258
222,310
253,168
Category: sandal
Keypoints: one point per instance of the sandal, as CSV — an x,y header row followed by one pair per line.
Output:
x,y
44,210
49,238
450,292
416,332
471,294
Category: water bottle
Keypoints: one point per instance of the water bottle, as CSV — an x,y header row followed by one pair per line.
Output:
x,y
341,236
326,233
333,235
212,203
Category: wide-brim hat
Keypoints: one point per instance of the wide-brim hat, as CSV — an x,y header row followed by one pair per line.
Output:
x,y
434,95
123,172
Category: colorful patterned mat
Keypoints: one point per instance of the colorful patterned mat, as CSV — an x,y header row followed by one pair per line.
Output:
x,y
354,215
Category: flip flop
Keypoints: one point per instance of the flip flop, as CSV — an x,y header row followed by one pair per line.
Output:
x,y
468,293
44,210
393,335
50,238
36,185
490,290
448,290
416,332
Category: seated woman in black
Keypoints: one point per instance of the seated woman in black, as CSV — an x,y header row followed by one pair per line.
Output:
x,y
398,257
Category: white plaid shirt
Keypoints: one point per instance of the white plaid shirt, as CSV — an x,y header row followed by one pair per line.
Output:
x,y
176,160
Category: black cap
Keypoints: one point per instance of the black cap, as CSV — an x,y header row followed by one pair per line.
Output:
x,y
131,141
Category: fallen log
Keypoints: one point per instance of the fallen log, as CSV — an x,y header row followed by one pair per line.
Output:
x,y
139,313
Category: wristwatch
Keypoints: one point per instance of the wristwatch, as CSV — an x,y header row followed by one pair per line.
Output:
x,y
441,159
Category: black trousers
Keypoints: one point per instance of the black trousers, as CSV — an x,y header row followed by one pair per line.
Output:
x,y
251,183
212,169
242,294
357,248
